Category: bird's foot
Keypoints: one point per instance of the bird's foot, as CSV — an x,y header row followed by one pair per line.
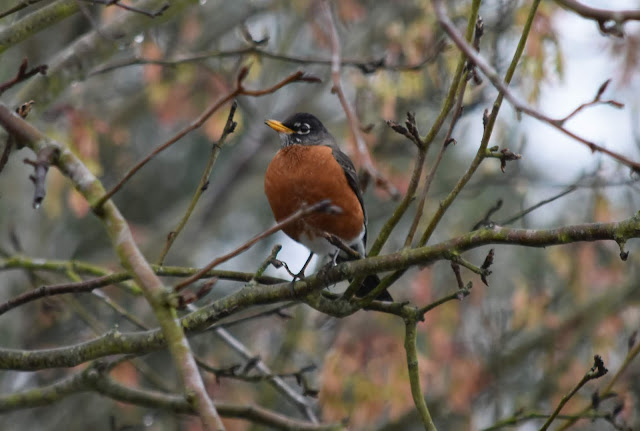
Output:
x,y
299,275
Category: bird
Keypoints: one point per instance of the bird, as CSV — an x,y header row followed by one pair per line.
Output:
x,y
309,168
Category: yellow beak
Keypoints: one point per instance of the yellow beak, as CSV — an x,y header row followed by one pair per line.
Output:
x,y
279,127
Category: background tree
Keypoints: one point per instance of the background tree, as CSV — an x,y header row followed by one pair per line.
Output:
x,y
140,125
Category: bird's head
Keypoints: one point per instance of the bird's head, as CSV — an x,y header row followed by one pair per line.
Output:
x,y
302,129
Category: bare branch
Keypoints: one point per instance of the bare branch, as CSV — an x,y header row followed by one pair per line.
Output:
x,y
363,155
598,370
130,256
117,3
521,214
282,386
608,20
410,346
17,8
96,378
321,206
239,90
204,180
519,105
23,74
365,65
45,157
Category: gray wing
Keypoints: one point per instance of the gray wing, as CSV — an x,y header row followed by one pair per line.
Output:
x,y
352,178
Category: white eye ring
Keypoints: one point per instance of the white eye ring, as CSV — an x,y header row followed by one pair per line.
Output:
x,y
304,129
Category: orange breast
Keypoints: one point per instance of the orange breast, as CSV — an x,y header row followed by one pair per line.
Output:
x,y
301,174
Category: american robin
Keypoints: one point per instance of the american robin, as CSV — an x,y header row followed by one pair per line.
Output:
x,y
309,168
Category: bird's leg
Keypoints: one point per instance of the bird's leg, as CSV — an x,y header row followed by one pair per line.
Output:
x,y
300,275
334,258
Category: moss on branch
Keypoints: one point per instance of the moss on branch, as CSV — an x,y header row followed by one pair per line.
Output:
x,y
147,341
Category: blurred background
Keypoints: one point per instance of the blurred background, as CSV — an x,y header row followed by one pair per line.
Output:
x,y
519,344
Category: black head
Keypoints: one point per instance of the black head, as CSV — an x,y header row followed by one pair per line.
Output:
x,y
303,129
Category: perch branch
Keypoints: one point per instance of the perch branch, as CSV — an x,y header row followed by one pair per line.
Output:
x,y
322,206
144,342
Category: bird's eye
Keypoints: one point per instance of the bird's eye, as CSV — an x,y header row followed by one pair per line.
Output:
x,y
304,129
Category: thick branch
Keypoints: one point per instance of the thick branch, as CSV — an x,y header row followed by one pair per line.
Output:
x,y
130,256
144,342
95,378
35,22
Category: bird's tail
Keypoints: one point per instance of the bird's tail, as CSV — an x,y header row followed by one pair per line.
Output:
x,y
370,283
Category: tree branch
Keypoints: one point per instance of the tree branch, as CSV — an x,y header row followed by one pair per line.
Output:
x,y
23,74
115,342
322,206
364,157
130,256
204,181
73,63
95,378
366,66
603,16
598,370
503,88
35,22
237,91
410,346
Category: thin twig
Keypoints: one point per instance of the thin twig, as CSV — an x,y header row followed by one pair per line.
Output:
x,y
324,205
23,74
366,66
597,100
23,4
58,289
364,157
117,3
609,21
486,220
409,196
503,88
238,90
607,391
598,370
521,214
524,416
279,383
458,295
204,180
